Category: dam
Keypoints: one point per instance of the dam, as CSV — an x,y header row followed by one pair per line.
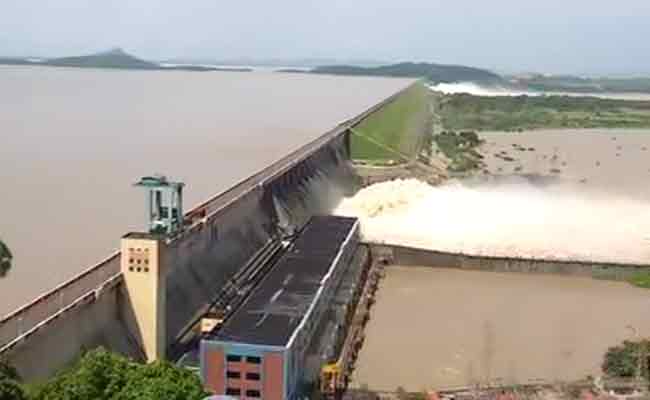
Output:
x,y
71,155
262,291
219,237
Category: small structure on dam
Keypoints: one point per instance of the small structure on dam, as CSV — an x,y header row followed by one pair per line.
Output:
x,y
275,343
144,267
164,203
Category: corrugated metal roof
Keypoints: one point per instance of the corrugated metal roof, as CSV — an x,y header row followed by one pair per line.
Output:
x,y
278,305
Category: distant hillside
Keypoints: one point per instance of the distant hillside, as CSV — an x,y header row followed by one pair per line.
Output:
x,y
568,83
436,73
114,58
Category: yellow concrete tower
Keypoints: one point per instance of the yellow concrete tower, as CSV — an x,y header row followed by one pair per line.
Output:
x,y
144,265
144,270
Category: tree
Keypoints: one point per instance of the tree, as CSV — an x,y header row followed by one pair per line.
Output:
x,y
5,259
102,375
10,388
161,380
98,375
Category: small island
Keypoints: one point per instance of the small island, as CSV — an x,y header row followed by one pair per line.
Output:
x,y
115,58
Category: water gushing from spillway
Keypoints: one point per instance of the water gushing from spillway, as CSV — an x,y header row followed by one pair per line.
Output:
x,y
513,218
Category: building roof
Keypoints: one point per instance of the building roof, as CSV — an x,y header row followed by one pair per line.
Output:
x,y
278,305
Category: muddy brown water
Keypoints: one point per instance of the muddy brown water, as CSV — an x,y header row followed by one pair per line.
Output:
x,y
74,140
440,328
615,161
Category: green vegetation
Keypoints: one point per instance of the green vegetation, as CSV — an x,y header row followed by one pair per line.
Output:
x,y
622,361
10,387
584,85
460,148
5,259
433,72
394,132
101,375
640,279
467,112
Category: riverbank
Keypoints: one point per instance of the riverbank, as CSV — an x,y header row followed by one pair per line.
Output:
x,y
518,113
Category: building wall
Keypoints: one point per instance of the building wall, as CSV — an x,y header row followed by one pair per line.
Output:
x,y
254,371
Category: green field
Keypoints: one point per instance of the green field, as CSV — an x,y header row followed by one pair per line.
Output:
x,y
466,112
640,279
393,132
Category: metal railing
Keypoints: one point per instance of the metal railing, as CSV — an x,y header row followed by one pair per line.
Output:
x,y
27,317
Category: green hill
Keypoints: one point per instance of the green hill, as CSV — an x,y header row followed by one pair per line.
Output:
x,y
436,73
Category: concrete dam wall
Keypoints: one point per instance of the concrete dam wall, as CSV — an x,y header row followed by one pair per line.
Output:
x,y
205,259
409,256
201,261
222,234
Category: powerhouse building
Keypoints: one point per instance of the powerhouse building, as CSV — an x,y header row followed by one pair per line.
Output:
x,y
274,345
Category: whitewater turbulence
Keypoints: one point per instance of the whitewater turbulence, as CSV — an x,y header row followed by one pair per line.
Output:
x,y
478,90
509,219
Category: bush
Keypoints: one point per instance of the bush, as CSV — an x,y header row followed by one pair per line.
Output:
x,y
10,388
621,361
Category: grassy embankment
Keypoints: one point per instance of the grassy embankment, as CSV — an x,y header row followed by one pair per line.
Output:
x,y
467,112
394,133
640,279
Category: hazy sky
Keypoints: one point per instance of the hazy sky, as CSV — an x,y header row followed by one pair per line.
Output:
x,y
589,36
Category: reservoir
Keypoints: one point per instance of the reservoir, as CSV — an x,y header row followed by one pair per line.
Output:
x,y
74,141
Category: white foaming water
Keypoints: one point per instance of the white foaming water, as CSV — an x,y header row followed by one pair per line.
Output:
x,y
497,91
513,219
477,90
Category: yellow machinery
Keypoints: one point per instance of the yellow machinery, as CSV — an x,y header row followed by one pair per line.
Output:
x,y
330,377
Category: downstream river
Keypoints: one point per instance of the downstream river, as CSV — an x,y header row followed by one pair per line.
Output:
x,y
442,328
74,141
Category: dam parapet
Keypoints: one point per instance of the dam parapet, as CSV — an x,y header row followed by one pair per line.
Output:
x,y
417,257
